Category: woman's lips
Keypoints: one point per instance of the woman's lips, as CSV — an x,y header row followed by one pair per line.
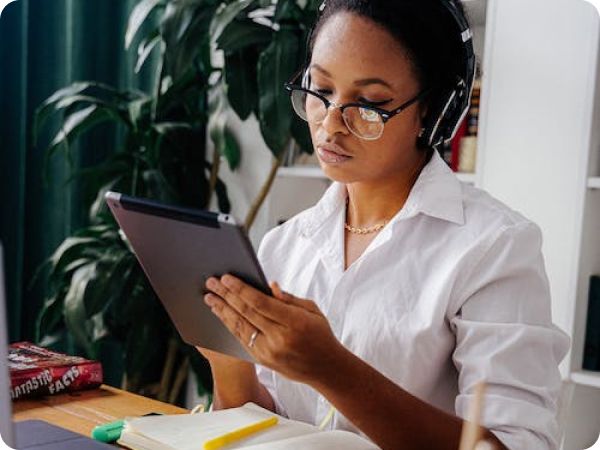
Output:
x,y
332,154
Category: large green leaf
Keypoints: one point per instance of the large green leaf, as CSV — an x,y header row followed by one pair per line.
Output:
x,y
108,282
157,187
242,34
73,100
167,127
240,76
225,15
275,66
50,317
79,122
99,206
183,45
73,89
139,110
301,134
137,18
71,249
218,106
76,318
145,48
222,197
48,106
287,10
231,150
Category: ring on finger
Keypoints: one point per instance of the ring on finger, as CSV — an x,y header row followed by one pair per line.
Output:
x,y
252,339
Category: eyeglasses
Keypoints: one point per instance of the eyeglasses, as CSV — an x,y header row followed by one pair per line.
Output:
x,y
364,121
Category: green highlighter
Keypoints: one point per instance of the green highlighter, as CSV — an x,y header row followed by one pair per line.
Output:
x,y
109,432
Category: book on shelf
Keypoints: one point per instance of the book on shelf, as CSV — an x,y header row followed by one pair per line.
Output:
x,y
36,371
461,152
591,349
193,431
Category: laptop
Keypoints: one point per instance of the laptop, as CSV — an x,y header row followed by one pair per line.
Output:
x,y
30,434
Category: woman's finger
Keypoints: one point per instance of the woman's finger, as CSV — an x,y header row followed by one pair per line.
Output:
x,y
242,307
247,299
235,323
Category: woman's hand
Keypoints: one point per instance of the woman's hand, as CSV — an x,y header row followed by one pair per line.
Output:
x,y
285,333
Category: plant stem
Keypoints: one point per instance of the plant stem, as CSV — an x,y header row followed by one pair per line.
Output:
x,y
182,374
262,195
165,379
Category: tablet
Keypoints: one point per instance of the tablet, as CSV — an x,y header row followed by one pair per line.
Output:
x,y
178,249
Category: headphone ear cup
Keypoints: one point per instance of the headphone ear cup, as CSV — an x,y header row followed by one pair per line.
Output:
x,y
443,117
434,121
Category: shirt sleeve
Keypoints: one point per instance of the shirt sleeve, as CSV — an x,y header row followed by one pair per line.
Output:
x,y
505,336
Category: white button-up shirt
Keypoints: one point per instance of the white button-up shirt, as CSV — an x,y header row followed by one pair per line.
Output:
x,y
451,292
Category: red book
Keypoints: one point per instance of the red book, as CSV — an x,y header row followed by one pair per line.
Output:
x,y
37,371
455,145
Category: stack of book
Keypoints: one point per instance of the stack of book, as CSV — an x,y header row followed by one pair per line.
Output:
x,y
461,152
36,371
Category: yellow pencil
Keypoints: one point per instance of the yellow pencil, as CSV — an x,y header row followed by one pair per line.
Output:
x,y
240,433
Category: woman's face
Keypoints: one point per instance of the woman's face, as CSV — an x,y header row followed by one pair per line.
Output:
x,y
355,60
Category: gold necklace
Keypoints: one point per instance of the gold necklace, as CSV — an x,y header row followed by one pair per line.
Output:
x,y
369,230
358,230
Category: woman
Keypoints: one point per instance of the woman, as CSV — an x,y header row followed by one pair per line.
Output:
x,y
402,288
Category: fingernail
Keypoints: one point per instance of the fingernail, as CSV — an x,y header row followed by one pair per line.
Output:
x,y
210,283
227,280
208,300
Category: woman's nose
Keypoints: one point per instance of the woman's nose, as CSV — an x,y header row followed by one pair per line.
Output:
x,y
334,121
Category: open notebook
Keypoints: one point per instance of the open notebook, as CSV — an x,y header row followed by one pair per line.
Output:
x,y
191,431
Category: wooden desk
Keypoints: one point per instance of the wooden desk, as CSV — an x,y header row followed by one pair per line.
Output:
x,y
82,411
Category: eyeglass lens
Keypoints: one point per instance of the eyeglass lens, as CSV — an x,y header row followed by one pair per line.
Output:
x,y
363,122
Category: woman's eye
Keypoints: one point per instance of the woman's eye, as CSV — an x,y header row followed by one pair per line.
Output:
x,y
373,102
323,92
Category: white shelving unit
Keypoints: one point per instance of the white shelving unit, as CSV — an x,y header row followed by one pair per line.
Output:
x,y
541,153
476,10
586,378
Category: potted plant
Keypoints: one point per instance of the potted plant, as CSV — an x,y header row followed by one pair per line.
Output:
x,y
96,288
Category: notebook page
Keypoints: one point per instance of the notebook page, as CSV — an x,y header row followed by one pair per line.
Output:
x,y
324,440
190,431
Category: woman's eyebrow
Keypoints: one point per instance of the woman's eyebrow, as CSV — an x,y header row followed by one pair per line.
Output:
x,y
363,82
368,81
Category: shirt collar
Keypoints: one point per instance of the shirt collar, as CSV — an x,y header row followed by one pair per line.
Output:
x,y
436,193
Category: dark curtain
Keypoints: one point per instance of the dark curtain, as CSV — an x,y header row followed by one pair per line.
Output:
x,y
46,45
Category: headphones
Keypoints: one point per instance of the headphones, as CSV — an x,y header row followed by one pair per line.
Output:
x,y
441,123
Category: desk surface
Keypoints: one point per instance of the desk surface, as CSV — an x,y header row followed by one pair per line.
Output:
x,y
82,411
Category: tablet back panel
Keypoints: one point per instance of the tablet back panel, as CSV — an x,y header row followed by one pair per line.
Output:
x,y
178,250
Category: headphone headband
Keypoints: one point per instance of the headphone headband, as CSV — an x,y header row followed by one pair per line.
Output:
x,y
442,123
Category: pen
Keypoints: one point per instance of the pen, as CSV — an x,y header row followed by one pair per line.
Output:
x,y
240,433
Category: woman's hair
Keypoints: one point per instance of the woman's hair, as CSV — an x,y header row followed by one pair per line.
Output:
x,y
424,28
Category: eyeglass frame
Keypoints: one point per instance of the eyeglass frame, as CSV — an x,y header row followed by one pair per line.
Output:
x,y
385,114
